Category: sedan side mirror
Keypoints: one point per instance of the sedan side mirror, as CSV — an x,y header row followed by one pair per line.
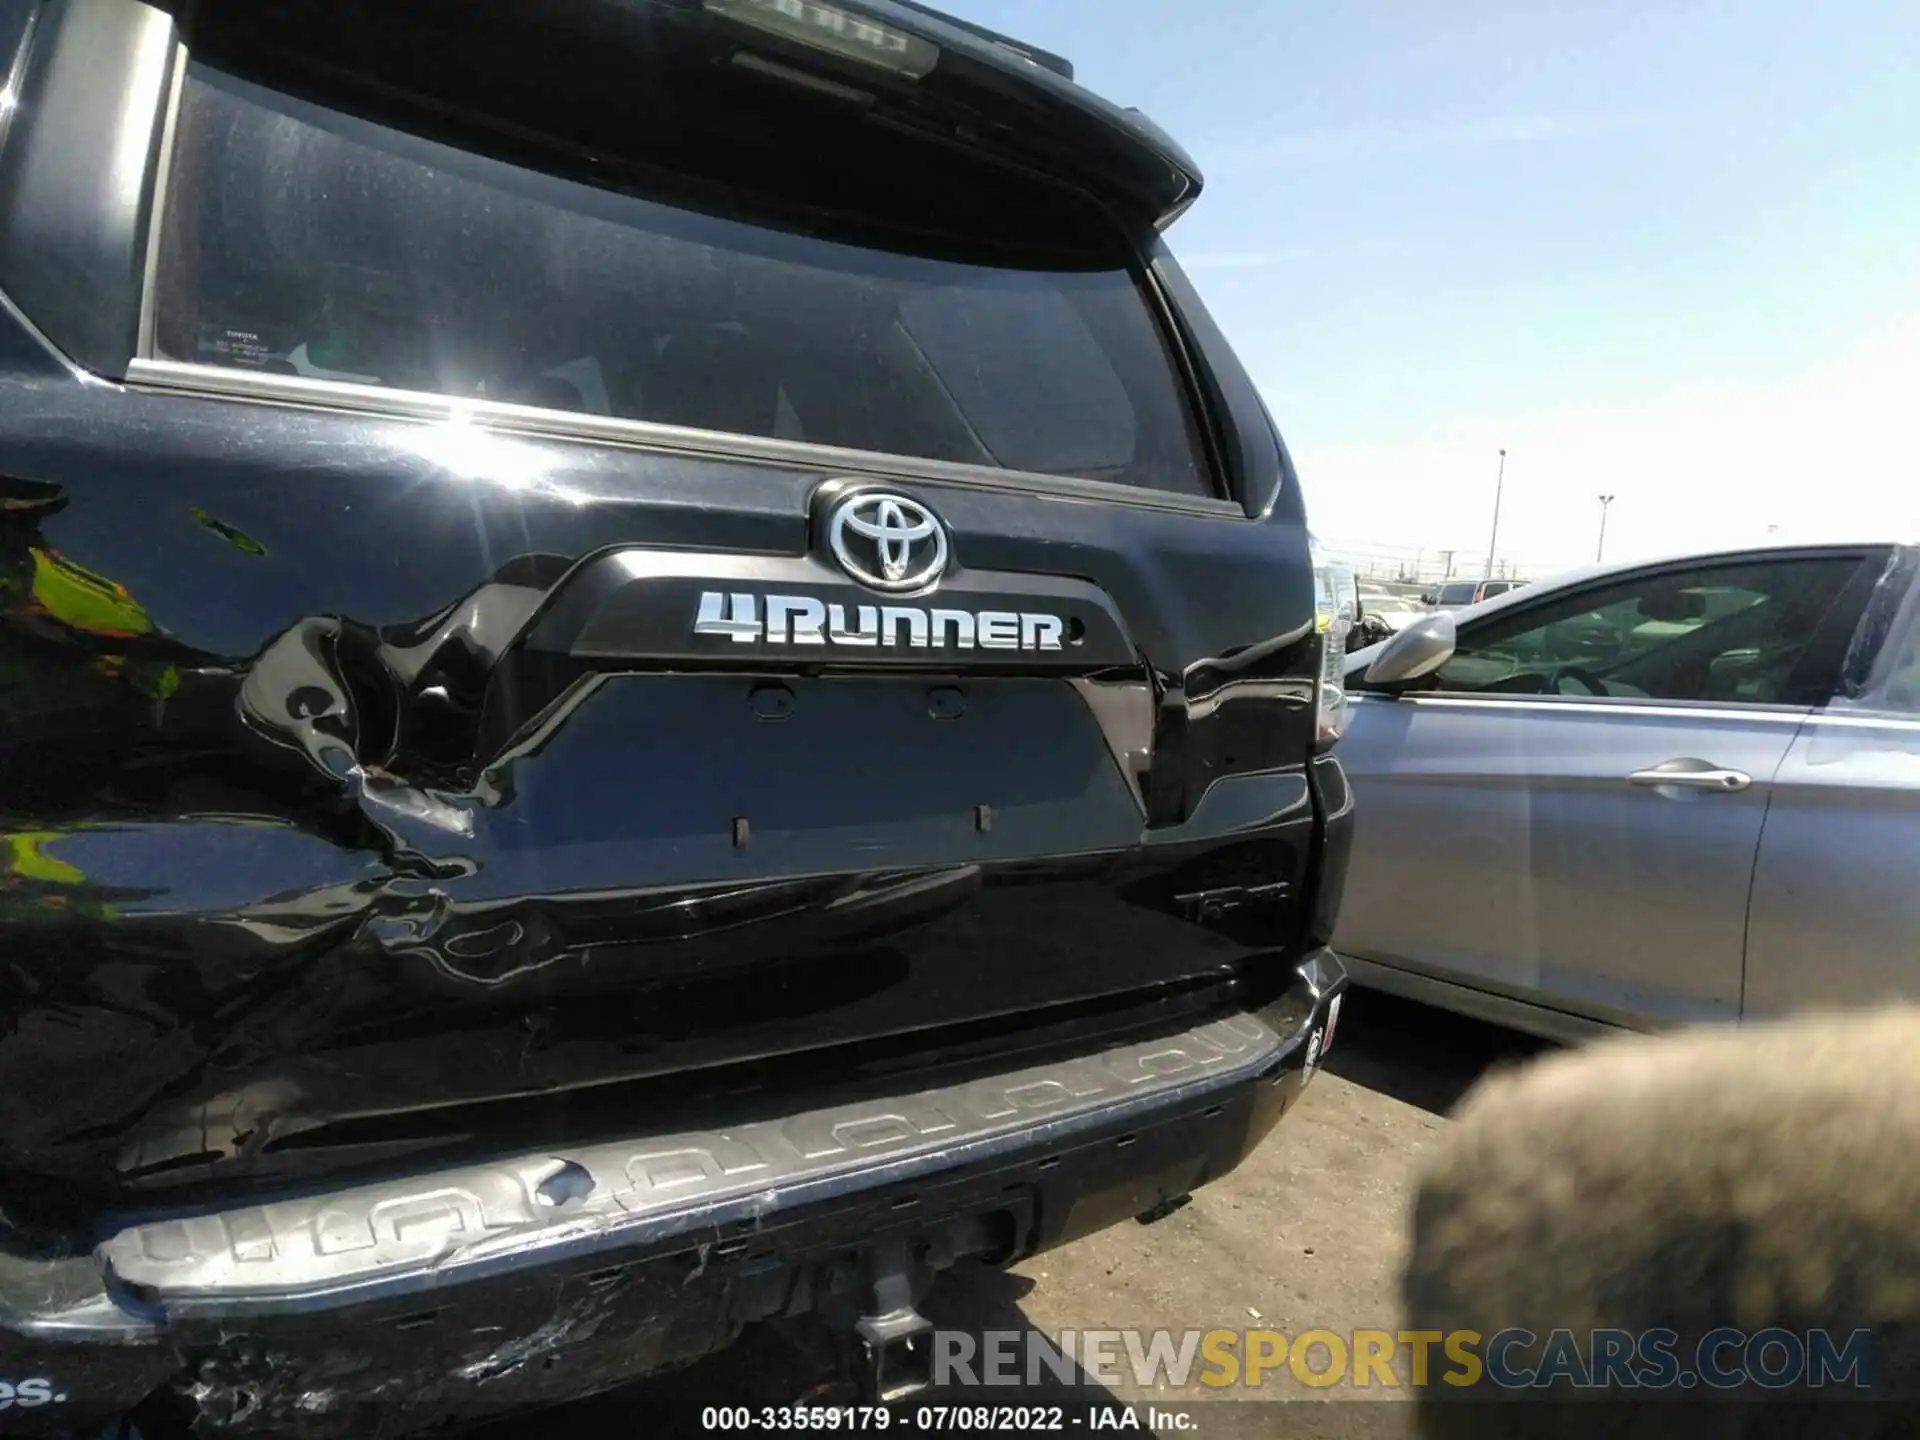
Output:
x,y
1417,651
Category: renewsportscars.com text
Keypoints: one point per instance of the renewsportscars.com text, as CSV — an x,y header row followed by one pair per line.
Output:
x,y
1512,1359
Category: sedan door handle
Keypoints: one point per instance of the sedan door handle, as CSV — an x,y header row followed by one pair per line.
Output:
x,y
1698,774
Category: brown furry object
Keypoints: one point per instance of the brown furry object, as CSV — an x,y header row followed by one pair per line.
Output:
x,y
1768,1176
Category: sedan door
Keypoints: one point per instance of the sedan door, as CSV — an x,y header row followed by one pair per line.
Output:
x,y
1570,814
1835,918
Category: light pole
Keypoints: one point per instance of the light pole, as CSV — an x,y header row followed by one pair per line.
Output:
x,y
1601,548
1498,485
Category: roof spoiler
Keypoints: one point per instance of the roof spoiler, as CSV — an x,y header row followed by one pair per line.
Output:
x,y
916,68
1127,152
1045,59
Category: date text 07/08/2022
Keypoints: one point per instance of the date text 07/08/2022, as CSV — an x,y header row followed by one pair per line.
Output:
x,y
939,1419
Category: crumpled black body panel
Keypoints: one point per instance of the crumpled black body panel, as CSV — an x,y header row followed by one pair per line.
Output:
x,y
311,861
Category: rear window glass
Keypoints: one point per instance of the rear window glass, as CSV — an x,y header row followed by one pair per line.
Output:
x,y
298,241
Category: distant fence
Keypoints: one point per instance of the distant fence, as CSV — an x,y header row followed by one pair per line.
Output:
x,y
1430,565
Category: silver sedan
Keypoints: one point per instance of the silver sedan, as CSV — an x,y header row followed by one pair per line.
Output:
x,y
1645,795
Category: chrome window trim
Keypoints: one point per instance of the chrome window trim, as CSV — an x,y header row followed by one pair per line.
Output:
x,y
298,391
157,205
1867,720
1616,706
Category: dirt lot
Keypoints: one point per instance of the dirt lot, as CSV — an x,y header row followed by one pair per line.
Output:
x,y
1307,1234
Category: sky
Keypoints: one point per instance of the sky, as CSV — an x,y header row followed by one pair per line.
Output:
x,y
1667,250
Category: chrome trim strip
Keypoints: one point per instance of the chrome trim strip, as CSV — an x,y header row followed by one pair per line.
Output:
x,y
548,1206
157,203
217,383
1620,707
1843,720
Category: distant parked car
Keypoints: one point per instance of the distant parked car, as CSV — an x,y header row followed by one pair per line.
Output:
x,y
1647,794
1458,594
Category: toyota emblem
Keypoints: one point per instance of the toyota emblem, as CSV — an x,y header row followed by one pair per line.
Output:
x,y
888,542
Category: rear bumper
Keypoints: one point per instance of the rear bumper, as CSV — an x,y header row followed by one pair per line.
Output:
x,y
548,1274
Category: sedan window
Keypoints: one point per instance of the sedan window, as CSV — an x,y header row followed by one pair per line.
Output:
x,y
1894,685
1903,682
1738,634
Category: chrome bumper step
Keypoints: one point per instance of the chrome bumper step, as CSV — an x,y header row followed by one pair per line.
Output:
x,y
546,1206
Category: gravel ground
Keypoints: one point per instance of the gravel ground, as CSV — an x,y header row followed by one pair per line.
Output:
x,y
1307,1234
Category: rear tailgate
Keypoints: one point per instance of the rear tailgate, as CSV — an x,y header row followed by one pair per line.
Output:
x,y
657,863
639,640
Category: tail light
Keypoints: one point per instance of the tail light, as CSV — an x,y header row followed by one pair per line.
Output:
x,y
1336,607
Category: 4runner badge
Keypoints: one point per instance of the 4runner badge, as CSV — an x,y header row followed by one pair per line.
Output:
x,y
803,620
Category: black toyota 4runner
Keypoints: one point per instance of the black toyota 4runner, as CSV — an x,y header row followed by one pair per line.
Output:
x,y
655,670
